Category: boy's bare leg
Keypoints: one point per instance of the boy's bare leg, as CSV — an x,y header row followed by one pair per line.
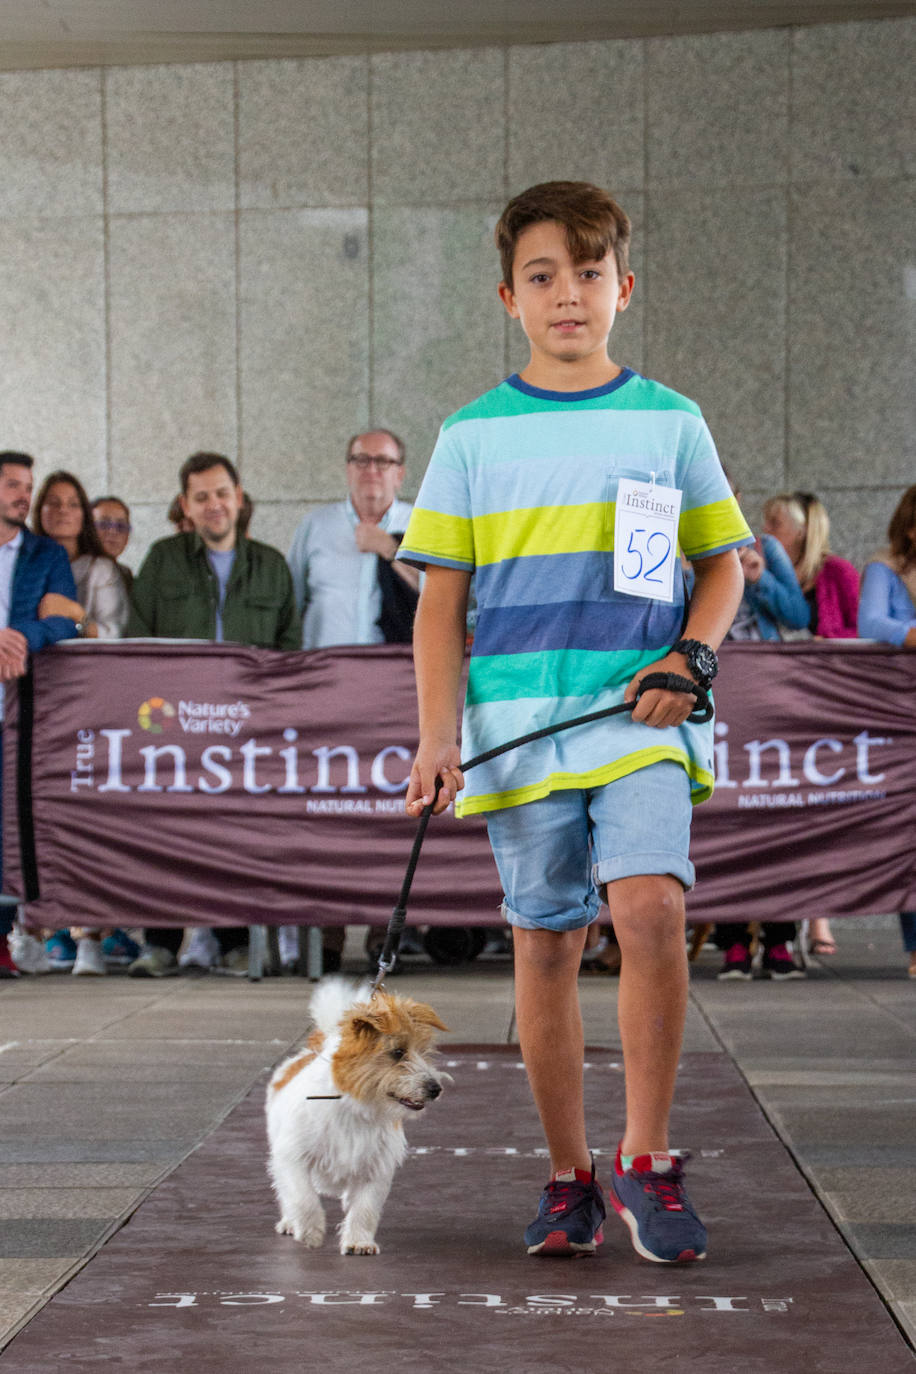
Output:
x,y
551,1037
648,916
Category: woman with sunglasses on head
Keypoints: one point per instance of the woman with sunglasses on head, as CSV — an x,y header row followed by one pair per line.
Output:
x,y
111,517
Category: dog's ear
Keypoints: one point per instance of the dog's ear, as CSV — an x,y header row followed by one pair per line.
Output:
x,y
365,1025
424,1015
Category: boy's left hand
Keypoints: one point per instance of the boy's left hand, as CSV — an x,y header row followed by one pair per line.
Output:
x,y
660,708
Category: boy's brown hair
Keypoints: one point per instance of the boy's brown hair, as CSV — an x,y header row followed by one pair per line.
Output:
x,y
594,222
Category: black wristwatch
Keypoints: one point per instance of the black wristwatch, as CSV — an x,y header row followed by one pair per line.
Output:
x,y
701,660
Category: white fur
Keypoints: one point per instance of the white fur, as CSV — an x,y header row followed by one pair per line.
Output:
x,y
344,1148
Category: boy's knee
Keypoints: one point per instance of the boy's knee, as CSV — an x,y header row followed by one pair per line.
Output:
x,y
650,908
548,952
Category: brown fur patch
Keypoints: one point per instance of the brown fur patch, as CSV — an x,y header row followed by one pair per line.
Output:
x,y
314,1043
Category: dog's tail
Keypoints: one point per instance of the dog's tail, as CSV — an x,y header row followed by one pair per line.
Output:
x,y
332,998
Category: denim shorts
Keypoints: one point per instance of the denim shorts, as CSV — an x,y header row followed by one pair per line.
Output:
x,y
554,854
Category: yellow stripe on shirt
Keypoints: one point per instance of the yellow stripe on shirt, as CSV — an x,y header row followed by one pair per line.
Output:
x,y
535,531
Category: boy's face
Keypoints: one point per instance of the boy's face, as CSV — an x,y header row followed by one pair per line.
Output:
x,y
566,308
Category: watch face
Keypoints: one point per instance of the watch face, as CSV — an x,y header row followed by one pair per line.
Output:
x,y
704,660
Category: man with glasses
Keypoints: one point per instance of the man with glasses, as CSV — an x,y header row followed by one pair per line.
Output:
x,y
348,588
350,591
112,522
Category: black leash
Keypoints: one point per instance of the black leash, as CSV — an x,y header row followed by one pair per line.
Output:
x,y
669,682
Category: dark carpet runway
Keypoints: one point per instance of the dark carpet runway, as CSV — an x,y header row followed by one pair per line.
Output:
x,y
198,1280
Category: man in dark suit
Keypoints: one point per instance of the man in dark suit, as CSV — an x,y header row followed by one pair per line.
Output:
x,y
37,601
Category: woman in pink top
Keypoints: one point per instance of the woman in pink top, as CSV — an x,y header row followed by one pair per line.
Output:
x,y
831,586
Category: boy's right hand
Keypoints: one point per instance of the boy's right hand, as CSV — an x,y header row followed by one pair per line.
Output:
x,y
432,761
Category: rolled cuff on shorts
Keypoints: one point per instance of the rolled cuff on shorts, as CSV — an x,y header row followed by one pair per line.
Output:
x,y
561,922
660,861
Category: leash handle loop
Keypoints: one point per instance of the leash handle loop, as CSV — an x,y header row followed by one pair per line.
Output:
x,y
673,682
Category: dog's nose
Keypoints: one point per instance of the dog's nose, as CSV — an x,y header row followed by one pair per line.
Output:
x,y
432,1089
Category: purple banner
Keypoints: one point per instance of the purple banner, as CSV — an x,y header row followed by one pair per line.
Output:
x,y
185,783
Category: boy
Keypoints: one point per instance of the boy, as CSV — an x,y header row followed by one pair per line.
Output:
x,y
519,491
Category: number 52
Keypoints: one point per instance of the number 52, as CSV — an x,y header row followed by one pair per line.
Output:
x,y
656,542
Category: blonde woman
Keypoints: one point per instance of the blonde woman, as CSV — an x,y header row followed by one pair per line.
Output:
x,y
831,584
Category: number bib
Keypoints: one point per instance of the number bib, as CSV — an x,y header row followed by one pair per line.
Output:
x,y
645,539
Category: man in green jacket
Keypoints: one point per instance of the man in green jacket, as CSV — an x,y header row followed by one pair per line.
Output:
x,y
210,583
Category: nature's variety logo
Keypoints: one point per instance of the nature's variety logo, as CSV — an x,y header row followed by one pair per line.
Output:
x,y
156,715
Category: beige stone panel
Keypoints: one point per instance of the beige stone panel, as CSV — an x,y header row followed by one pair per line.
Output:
x,y
438,124
438,336
853,102
173,347
304,348
303,132
52,358
718,109
852,335
50,144
170,138
275,522
595,130
715,323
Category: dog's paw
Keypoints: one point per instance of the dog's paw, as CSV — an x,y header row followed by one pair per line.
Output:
x,y
369,1248
312,1236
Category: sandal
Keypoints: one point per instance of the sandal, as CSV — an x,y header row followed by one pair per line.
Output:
x,y
822,947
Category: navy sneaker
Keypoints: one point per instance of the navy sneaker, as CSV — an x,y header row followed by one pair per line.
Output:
x,y
650,1198
569,1216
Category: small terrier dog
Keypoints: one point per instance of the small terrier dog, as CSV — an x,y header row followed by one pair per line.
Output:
x,y
335,1110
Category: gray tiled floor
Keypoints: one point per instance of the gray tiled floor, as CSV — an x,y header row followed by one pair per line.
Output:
x,y
105,1086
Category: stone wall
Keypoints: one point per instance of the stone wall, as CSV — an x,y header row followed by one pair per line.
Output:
x,y
260,257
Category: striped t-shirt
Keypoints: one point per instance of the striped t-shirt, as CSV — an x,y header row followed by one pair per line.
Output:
x,y
521,491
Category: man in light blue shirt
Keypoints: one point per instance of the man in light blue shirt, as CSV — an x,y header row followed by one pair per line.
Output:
x,y
348,587
337,550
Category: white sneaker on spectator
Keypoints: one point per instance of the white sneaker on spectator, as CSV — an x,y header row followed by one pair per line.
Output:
x,y
202,950
89,958
29,955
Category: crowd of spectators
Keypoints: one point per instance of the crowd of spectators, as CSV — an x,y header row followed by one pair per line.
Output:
x,y
340,584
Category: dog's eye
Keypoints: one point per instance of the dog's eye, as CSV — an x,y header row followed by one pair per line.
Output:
x,y
397,1054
